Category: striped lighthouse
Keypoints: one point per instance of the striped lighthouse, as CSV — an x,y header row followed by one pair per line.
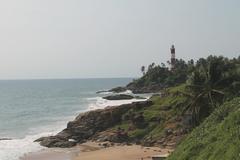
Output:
x,y
173,57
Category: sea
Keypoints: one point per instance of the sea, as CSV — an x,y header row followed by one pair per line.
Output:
x,y
30,109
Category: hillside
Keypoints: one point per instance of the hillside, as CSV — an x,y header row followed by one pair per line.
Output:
x,y
192,100
160,124
157,77
156,122
218,137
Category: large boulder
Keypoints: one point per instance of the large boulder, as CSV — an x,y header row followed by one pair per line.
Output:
x,y
56,141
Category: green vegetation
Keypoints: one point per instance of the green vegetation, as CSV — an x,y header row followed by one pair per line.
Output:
x,y
208,82
160,75
207,91
158,118
218,137
205,94
209,85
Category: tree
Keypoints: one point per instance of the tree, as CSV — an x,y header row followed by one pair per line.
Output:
x,y
143,70
208,85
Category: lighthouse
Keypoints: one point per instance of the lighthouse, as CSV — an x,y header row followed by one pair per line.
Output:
x,y
173,57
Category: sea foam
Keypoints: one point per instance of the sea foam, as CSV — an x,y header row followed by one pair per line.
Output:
x,y
16,148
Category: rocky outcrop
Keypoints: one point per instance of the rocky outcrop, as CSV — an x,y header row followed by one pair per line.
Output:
x,y
5,139
136,89
119,97
86,125
153,88
57,141
114,90
101,91
122,97
118,89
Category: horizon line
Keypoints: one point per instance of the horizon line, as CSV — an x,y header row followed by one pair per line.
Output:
x,y
22,79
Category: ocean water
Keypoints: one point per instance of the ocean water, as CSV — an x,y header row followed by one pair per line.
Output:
x,y
30,109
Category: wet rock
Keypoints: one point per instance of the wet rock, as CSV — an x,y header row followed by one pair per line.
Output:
x,y
118,97
5,139
118,89
56,141
98,92
152,88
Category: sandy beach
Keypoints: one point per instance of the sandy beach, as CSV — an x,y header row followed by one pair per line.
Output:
x,y
92,151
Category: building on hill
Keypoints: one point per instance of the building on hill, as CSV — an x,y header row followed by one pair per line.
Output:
x,y
173,58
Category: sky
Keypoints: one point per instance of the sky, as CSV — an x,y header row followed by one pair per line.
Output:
x,y
111,38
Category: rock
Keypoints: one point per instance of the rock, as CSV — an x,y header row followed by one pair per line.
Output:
x,y
122,97
117,138
102,138
118,89
153,88
118,97
56,141
88,124
140,89
98,92
168,132
72,140
5,139
105,145
139,97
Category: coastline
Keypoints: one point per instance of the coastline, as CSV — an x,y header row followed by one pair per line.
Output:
x,y
92,151
83,149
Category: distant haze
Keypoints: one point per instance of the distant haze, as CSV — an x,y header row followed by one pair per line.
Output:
x,y
110,38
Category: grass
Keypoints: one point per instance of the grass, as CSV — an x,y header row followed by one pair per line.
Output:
x,y
218,137
157,117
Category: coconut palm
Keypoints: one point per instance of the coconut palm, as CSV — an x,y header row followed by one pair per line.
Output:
x,y
205,90
143,70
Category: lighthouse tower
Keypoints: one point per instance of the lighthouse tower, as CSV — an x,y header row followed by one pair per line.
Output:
x,y
173,57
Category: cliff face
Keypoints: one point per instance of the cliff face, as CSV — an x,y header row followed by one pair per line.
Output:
x,y
88,124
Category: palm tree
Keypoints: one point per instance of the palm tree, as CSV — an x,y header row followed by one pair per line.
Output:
x,y
143,70
205,91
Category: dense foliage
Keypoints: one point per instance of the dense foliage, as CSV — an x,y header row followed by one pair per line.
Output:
x,y
212,65
199,96
209,82
197,107
209,90
212,81
161,75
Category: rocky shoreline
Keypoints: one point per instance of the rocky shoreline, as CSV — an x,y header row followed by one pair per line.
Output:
x,y
122,97
88,125
154,88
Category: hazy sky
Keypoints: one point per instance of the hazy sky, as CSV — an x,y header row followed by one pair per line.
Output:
x,y
110,38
